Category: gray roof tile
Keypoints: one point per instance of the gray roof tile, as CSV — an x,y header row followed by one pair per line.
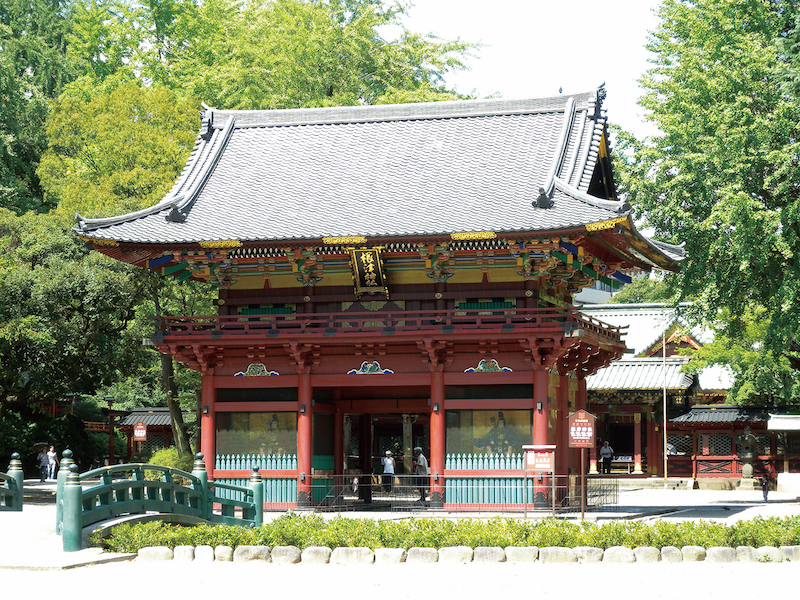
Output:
x,y
641,374
380,171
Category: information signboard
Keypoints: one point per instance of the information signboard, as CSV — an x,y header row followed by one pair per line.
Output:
x,y
139,432
539,461
581,429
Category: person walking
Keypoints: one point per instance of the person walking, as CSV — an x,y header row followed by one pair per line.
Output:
x,y
388,471
765,487
606,456
52,462
41,462
421,471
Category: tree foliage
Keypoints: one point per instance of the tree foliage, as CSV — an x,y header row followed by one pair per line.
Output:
x,y
61,311
117,151
643,290
723,175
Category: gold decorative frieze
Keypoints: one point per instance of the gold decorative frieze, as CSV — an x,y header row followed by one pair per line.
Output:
x,y
221,244
473,235
337,241
100,242
600,225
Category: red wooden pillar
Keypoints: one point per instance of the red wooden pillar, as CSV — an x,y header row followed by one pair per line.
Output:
x,y
304,442
338,442
540,411
637,444
208,423
438,437
653,450
582,402
562,435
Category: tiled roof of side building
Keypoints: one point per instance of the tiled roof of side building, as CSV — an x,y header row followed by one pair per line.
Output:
x,y
642,374
723,414
381,171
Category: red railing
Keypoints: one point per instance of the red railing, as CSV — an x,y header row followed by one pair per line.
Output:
x,y
568,321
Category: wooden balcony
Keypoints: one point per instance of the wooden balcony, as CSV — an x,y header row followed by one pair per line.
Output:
x,y
399,325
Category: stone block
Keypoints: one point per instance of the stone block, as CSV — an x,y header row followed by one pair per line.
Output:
x,y
746,554
390,556
671,554
223,553
769,554
184,553
790,553
285,555
204,554
458,554
422,555
720,554
647,554
251,553
352,556
521,554
316,555
588,554
155,553
619,554
693,553
488,554
556,554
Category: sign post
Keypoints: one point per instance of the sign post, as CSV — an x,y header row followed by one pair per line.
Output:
x,y
581,428
139,432
540,458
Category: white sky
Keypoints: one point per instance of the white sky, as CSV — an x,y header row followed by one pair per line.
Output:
x,y
533,47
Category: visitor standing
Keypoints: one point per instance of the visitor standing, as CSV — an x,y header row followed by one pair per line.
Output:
x,y
388,471
606,456
421,471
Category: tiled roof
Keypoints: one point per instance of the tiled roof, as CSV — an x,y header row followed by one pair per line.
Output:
x,y
722,414
645,322
641,374
382,171
152,417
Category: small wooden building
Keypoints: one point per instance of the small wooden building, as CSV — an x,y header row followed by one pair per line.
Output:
x,y
391,277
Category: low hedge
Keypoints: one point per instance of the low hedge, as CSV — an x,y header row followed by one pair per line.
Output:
x,y
311,530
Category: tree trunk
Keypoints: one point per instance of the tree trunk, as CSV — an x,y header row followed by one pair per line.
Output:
x,y
176,416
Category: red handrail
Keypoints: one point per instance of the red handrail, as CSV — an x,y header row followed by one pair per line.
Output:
x,y
567,319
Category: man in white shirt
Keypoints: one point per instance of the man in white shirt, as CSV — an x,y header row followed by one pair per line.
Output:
x,y
606,456
388,471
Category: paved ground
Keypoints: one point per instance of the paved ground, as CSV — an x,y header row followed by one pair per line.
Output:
x,y
31,556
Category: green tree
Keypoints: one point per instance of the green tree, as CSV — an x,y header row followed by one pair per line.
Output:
x,y
643,290
301,53
33,68
722,173
118,151
62,311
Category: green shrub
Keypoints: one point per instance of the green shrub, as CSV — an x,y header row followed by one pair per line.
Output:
x,y
168,457
312,530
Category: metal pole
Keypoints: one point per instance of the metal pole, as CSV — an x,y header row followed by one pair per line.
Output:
x,y
583,482
553,487
664,368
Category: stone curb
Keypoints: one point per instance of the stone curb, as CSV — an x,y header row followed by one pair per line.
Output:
x,y
464,554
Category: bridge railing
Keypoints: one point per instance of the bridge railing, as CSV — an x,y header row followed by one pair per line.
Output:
x,y
11,494
130,489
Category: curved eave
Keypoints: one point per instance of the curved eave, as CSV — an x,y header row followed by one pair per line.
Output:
x,y
623,238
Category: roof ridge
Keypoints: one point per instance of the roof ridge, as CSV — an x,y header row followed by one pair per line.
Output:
x,y
394,112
